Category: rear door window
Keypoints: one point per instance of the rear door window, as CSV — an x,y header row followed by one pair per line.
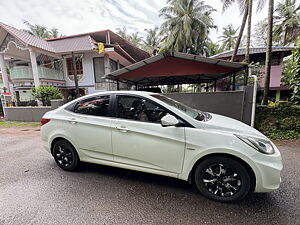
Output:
x,y
95,106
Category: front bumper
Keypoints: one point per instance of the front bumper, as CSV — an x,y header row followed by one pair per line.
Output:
x,y
267,172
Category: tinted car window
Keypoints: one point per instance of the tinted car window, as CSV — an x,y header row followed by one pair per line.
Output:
x,y
140,109
96,106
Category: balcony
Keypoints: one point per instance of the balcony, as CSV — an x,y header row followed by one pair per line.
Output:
x,y
25,73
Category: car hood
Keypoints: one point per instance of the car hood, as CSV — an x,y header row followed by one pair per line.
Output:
x,y
229,125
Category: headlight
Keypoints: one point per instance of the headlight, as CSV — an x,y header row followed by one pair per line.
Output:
x,y
261,145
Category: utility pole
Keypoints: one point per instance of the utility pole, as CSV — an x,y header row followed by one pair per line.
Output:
x,y
75,75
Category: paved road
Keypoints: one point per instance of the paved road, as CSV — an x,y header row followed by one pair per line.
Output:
x,y
33,190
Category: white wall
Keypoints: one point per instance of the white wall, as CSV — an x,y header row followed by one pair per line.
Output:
x,y
88,79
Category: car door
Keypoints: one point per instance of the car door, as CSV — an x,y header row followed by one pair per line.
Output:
x,y
89,127
139,139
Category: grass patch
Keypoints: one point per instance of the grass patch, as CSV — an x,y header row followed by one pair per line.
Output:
x,y
18,124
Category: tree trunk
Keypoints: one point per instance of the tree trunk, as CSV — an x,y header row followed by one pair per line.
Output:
x,y
238,41
247,54
268,53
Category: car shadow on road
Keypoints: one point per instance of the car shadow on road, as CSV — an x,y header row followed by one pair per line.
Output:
x,y
254,200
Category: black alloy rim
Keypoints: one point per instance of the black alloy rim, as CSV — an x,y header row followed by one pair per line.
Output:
x,y
64,156
221,180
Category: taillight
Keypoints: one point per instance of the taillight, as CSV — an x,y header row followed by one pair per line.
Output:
x,y
44,121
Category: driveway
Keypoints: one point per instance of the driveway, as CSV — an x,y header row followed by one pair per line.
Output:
x,y
33,190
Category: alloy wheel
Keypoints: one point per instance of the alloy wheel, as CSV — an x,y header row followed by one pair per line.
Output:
x,y
221,180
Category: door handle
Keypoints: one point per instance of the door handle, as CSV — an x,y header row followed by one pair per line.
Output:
x,y
122,129
73,121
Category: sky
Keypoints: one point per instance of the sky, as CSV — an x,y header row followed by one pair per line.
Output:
x,y
80,16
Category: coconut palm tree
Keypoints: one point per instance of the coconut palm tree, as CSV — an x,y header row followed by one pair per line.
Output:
x,y
186,24
123,33
228,37
152,40
287,21
245,9
136,39
268,53
41,31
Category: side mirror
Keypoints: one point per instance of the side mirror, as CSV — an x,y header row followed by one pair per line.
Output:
x,y
169,120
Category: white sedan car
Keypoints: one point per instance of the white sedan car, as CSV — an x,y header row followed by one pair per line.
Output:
x,y
149,132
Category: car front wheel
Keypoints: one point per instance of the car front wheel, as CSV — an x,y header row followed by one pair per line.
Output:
x,y
65,155
222,179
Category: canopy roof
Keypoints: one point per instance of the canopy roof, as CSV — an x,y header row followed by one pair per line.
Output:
x,y
260,50
175,68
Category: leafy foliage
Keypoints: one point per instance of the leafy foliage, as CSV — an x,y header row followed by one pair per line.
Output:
x,y
287,22
295,75
278,122
41,31
152,40
228,37
134,38
46,93
187,24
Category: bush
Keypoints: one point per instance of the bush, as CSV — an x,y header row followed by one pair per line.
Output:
x,y
278,122
46,93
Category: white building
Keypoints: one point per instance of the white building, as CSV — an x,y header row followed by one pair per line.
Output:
x,y
27,61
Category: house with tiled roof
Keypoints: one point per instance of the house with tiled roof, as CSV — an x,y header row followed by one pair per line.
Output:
x,y
258,56
27,61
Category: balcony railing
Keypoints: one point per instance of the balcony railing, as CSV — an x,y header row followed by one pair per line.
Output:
x,y
25,72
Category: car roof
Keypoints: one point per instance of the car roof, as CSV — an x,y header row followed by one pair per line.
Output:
x,y
141,93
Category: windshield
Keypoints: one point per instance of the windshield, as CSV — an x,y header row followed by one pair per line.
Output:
x,y
195,114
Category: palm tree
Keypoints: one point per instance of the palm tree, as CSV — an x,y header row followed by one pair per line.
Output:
x,y
152,41
136,39
228,38
186,24
41,31
123,33
246,9
53,32
287,21
268,53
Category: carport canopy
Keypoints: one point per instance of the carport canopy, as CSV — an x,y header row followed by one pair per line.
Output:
x,y
172,68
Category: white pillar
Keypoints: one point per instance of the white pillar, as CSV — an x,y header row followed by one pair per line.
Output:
x,y
34,68
4,72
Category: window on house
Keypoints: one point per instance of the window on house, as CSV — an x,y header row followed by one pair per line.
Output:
x,y
79,66
99,69
95,106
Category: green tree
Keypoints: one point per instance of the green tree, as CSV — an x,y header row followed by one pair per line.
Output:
x,y
41,31
260,33
133,38
186,25
123,33
246,9
228,37
136,39
287,22
46,93
152,40
295,75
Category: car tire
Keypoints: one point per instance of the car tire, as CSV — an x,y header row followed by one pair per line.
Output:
x,y
222,179
65,155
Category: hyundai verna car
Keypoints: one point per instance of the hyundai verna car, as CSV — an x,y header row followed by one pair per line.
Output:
x,y
225,159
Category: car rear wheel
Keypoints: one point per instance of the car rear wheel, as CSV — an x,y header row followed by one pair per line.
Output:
x,y
65,155
222,179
